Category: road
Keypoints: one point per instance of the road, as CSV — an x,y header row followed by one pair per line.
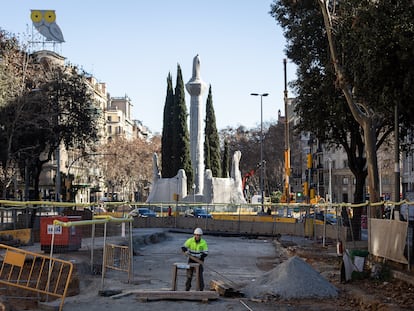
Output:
x,y
237,260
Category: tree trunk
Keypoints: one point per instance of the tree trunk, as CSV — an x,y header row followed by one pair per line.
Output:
x,y
365,119
371,151
359,187
358,211
37,169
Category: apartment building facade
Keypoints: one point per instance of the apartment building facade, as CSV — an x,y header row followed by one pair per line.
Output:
x,y
74,175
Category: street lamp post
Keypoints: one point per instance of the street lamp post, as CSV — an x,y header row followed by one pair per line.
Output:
x,y
58,178
261,145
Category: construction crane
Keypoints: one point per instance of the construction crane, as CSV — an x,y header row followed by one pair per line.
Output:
x,y
286,194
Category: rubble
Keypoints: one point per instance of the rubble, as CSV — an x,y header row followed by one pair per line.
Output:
x,y
293,278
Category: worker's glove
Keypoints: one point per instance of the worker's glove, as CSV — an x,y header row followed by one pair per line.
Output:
x,y
184,249
203,256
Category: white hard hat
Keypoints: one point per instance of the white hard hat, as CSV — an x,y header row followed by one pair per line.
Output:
x,y
198,231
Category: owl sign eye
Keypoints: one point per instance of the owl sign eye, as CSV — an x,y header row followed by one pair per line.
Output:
x,y
36,16
50,16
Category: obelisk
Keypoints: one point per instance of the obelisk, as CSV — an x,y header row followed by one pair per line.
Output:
x,y
196,87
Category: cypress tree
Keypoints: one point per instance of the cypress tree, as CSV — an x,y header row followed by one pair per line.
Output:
x,y
212,140
226,160
167,155
182,137
207,153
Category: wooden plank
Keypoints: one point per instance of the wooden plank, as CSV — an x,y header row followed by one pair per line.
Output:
x,y
224,289
170,295
108,292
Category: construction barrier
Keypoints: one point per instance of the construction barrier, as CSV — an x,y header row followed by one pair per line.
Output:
x,y
118,257
107,234
35,272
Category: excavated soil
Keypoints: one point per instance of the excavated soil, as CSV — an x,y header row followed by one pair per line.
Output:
x,y
368,293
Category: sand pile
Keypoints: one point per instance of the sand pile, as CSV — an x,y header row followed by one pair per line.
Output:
x,y
293,278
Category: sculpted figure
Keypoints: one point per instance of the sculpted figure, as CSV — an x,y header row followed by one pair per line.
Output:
x,y
235,169
156,171
196,68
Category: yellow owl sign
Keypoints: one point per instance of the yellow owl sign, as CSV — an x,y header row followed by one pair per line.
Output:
x,y
45,23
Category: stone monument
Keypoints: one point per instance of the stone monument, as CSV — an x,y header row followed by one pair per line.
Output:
x,y
208,189
196,87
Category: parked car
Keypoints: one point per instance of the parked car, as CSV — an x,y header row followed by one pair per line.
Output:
x,y
142,212
330,219
189,213
201,213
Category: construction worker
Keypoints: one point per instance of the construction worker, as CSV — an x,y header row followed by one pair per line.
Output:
x,y
197,248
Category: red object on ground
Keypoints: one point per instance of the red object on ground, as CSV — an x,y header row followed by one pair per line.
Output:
x,y
66,238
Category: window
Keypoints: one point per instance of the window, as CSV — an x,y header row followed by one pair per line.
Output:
x,y
345,180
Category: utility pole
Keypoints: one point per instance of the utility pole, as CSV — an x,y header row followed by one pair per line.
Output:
x,y
396,156
287,147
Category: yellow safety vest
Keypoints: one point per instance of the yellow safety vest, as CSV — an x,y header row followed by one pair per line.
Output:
x,y
196,249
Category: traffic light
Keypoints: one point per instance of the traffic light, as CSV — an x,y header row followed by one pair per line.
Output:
x,y
305,189
309,160
312,193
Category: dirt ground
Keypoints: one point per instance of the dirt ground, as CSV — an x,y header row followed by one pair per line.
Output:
x,y
235,260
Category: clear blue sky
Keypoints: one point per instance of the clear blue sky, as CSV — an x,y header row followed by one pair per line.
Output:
x,y
132,45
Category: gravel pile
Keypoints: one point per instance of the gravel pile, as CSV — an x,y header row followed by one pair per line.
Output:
x,y
293,278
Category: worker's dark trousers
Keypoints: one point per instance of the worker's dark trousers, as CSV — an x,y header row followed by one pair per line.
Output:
x,y
190,273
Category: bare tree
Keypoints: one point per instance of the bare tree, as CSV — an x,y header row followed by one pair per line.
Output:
x,y
127,165
14,70
248,142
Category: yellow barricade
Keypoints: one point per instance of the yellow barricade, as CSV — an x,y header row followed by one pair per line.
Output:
x,y
35,272
118,257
